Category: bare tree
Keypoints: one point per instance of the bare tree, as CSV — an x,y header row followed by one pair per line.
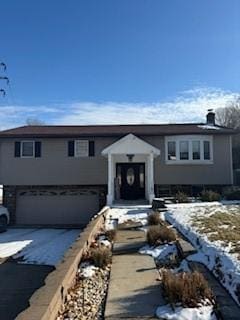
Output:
x,y
34,122
230,115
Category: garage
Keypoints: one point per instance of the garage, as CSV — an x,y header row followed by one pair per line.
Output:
x,y
56,207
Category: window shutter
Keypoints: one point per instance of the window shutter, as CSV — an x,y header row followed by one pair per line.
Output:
x,y
17,149
71,148
38,147
91,149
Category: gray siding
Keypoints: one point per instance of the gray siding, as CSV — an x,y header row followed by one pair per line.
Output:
x,y
56,168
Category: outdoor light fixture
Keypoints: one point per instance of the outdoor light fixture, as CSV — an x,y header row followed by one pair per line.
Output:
x,y
130,157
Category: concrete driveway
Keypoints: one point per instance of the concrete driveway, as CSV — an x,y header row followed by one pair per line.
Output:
x,y
27,256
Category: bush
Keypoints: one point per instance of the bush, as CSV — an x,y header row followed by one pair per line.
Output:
x,y
185,288
111,234
209,196
181,197
159,235
154,219
101,257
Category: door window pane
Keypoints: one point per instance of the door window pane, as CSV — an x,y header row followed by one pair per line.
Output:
x,y
27,149
196,150
171,150
206,148
184,150
130,176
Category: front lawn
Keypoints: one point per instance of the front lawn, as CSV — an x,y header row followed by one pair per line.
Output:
x,y
214,229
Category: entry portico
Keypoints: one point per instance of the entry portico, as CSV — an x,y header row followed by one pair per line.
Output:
x,y
130,166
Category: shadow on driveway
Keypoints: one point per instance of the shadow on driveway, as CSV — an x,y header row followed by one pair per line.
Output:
x,y
18,282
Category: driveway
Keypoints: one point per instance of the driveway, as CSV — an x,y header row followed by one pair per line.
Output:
x,y
27,256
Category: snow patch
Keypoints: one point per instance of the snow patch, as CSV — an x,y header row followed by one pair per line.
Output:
x,y
37,246
159,252
201,313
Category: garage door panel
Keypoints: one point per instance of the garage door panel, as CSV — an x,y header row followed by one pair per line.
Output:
x,y
55,208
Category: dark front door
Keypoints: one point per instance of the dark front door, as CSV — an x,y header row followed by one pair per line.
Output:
x,y
131,180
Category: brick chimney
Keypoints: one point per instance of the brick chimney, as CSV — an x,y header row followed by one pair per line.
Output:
x,y
211,117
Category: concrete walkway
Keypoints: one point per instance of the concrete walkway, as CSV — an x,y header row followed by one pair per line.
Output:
x,y
134,292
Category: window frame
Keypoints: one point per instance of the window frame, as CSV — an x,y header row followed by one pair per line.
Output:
x,y
21,148
190,139
75,148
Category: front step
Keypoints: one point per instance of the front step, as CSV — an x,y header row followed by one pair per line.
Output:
x,y
185,248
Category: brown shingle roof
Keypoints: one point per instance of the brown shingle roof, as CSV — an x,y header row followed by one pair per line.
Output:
x,y
112,130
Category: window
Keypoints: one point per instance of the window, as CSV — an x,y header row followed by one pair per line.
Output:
x,y
81,148
184,150
194,149
206,148
27,149
171,150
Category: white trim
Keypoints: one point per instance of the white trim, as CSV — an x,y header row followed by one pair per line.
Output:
x,y
131,144
189,138
117,153
21,149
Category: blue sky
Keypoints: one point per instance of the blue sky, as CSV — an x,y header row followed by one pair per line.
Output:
x,y
91,61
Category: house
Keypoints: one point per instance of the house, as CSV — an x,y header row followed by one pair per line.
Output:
x,y
63,174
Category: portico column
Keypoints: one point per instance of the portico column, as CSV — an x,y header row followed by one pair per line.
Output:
x,y
110,181
151,194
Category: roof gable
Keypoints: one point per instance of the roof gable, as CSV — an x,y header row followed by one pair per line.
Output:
x,y
130,144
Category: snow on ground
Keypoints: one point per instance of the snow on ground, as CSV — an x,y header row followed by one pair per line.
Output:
x,y
125,213
201,313
37,246
87,270
159,252
225,265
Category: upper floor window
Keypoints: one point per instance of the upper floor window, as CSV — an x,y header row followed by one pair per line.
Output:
x,y
189,149
81,148
28,149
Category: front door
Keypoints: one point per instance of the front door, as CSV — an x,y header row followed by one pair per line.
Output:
x,y
131,180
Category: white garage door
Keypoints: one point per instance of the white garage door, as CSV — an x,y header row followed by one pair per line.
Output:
x,y
55,207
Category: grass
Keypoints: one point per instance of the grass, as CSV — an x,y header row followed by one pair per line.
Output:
x,y
222,226
159,235
185,288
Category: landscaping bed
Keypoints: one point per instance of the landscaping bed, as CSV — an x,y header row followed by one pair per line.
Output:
x,y
86,299
213,228
187,294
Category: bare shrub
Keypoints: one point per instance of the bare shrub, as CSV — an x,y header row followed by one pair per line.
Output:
x,y
160,234
111,234
101,257
154,219
181,197
185,288
209,196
